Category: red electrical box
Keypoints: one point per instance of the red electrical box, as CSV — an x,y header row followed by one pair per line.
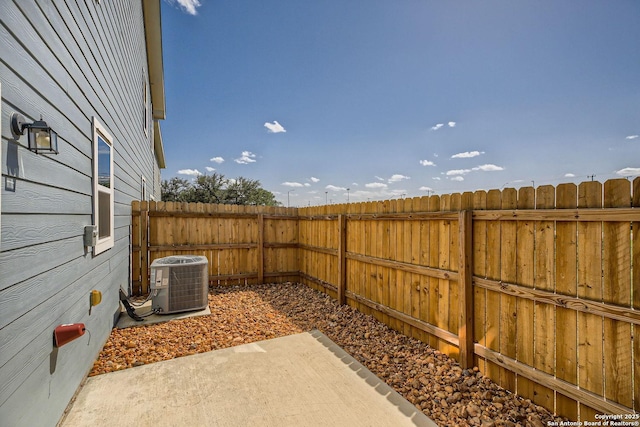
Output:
x,y
66,333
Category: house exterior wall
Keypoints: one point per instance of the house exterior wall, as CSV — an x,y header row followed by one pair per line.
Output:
x,y
69,61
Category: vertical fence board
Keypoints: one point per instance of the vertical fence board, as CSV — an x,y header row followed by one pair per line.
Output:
x,y
424,260
399,256
407,206
214,230
508,274
260,251
465,330
416,288
479,270
617,290
544,314
354,227
390,253
371,249
566,284
432,261
243,256
382,250
153,230
144,244
342,241
524,273
494,201
444,255
590,326
454,285
368,246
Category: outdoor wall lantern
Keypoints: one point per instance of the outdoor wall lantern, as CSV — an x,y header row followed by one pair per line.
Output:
x,y
42,139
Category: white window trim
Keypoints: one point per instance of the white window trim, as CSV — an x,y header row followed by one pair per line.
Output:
x,y
143,190
145,102
107,242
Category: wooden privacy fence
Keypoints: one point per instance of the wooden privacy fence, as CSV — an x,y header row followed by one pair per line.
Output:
x,y
536,287
244,244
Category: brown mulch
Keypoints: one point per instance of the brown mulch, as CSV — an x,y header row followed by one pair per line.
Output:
x,y
430,380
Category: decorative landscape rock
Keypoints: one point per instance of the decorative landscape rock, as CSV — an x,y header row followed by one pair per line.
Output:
x,y
430,380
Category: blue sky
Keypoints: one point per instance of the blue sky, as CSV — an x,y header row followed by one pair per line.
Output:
x,y
401,98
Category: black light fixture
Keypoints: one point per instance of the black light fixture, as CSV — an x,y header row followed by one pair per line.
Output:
x,y
42,139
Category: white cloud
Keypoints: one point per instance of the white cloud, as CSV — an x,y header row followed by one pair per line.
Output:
x,y
245,158
632,137
274,127
192,172
488,168
467,154
376,185
188,6
436,178
292,184
458,172
314,179
435,155
425,189
334,188
306,184
457,178
441,125
569,175
628,171
379,178
210,169
427,163
217,160
397,178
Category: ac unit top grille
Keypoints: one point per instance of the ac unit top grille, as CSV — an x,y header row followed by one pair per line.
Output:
x,y
180,259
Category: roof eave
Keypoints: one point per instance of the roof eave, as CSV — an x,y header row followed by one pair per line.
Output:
x,y
153,35
157,144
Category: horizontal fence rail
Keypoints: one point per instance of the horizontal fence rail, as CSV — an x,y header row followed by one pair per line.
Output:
x,y
539,288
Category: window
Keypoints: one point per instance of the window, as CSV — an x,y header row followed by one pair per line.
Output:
x,y
102,186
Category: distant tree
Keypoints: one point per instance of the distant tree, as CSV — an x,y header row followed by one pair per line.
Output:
x,y
216,188
264,197
209,188
242,191
176,190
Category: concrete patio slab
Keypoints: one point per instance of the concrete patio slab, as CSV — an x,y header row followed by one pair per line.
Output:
x,y
124,321
297,380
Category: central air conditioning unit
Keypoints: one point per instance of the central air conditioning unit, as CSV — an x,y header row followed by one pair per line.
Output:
x,y
179,283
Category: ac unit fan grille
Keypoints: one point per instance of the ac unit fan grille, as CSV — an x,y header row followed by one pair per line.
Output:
x,y
185,291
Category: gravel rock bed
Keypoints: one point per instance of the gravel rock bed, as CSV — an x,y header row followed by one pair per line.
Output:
x,y
430,380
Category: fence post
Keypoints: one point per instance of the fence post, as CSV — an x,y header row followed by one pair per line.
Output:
x,y
465,329
342,264
260,248
144,246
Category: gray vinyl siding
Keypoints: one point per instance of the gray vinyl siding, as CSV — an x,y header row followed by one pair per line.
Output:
x,y
67,60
